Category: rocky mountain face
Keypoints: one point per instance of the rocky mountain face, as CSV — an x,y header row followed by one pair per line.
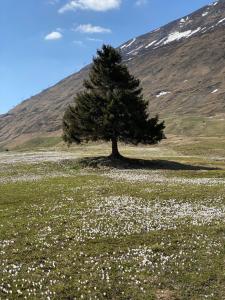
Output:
x,y
181,66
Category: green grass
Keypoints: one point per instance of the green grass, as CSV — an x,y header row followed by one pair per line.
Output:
x,y
74,233
195,126
38,142
204,131
213,147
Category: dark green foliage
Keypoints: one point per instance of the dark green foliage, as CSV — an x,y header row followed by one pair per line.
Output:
x,y
111,107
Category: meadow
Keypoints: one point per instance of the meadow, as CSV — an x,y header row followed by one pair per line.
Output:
x,y
74,227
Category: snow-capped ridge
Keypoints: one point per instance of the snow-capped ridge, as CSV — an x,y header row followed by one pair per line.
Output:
x,y
200,22
128,45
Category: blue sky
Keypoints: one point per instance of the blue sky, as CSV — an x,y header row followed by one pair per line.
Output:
x,y
43,41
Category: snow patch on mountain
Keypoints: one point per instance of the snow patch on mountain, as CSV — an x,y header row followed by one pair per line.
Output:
x,y
221,21
128,45
135,51
176,36
205,13
162,93
160,41
150,44
184,20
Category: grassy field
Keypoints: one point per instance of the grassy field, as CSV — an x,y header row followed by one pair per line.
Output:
x,y
152,230
196,125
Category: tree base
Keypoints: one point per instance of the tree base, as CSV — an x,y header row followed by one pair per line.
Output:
x,y
117,156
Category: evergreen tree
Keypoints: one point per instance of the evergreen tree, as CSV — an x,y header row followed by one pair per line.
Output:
x,y
111,107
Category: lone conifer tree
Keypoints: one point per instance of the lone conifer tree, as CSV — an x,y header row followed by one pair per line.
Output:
x,y
111,107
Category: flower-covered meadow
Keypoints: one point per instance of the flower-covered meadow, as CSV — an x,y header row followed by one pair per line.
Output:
x,y
76,233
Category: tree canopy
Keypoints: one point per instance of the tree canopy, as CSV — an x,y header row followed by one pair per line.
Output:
x,y
111,106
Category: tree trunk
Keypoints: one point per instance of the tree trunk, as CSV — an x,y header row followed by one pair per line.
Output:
x,y
115,152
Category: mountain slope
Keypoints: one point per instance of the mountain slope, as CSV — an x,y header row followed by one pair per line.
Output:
x,y
181,66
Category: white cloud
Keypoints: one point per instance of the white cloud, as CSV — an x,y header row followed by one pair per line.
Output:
x,y
55,35
141,2
96,5
88,28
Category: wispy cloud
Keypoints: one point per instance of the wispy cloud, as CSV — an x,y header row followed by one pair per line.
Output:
x,y
79,43
55,35
141,2
94,40
96,5
59,29
53,2
88,28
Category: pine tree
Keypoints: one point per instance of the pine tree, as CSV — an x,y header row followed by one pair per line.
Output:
x,y
111,107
